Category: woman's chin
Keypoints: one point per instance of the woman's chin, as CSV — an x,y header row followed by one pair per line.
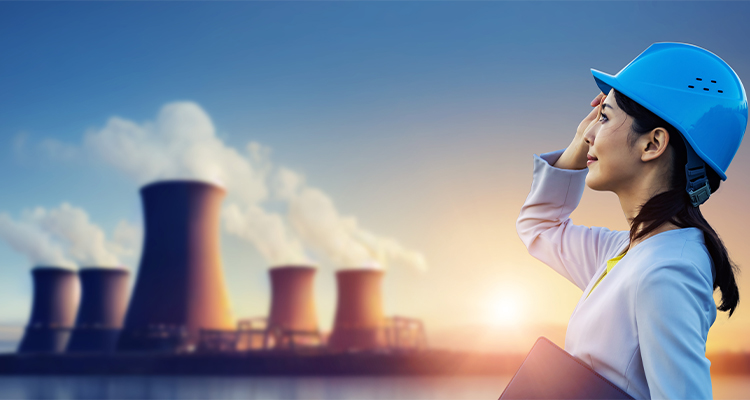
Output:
x,y
594,183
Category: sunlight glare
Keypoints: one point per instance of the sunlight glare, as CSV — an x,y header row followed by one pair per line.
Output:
x,y
506,310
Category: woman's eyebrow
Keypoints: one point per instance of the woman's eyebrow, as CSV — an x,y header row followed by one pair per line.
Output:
x,y
605,105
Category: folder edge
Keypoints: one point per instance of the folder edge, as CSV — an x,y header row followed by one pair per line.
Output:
x,y
576,359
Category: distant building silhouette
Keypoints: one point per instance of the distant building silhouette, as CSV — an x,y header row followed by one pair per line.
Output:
x,y
292,320
180,287
100,316
359,323
57,292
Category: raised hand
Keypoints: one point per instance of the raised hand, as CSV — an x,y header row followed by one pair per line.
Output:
x,y
574,156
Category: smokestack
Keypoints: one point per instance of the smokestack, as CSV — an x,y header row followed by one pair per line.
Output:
x,y
292,300
57,292
102,310
180,287
359,322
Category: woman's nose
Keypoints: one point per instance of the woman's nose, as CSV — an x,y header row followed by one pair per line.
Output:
x,y
590,134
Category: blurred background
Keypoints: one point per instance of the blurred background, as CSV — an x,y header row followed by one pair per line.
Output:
x,y
385,136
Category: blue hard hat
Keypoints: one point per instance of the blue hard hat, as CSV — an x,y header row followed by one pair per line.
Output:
x,y
692,89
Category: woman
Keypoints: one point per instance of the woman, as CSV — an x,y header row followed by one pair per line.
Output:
x,y
661,135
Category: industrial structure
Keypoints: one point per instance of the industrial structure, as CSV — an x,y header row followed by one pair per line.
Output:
x,y
405,334
180,289
180,303
359,323
102,309
292,320
57,292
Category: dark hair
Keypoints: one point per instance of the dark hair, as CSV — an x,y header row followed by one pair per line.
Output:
x,y
674,205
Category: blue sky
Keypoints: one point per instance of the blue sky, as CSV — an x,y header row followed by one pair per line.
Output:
x,y
417,118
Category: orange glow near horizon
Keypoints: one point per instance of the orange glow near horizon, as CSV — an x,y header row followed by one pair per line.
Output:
x,y
506,309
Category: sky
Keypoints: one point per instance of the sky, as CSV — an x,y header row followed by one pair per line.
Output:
x,y
404,130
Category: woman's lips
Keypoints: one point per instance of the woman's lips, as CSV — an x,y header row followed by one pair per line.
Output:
x,y
591,160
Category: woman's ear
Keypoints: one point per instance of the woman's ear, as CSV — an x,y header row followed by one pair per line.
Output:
x,y
653,144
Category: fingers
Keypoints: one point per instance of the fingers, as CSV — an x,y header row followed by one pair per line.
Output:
x,y
594,113
598,99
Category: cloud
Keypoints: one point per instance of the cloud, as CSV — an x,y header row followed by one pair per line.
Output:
x,y
65,236
339,238
182,144
31,241
267,231
287,183
126,240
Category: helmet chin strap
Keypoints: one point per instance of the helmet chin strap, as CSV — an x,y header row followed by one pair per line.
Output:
x,y
697,179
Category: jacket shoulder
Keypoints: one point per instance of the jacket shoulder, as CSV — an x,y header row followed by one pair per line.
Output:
x,y
679,252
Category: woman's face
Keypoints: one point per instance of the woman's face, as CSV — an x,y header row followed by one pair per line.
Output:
x,y
612,162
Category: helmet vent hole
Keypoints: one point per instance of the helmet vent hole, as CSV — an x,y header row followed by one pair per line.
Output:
x,y
705,88
698,79
691,86
721,91
713,81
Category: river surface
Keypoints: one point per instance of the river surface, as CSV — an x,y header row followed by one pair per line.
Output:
x,y
376,388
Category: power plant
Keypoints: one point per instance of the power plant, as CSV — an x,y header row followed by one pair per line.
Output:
x,y
102,310
57,292
360,322
180,288
292,319
180,304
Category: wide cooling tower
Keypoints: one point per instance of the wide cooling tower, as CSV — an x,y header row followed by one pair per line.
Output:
x,y
359,323
57,292
103,304
292,320
180,287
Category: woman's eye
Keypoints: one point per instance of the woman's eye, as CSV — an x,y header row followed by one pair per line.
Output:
x,y
603,117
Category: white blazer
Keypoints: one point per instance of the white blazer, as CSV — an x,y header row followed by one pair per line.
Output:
x,y
645,326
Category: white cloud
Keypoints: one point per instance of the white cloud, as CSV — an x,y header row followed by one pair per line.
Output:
x,y
340,238
260,158
267,231
127,240
182,144
65,236
84,242
31,241
287,183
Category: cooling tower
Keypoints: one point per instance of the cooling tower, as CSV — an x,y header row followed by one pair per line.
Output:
x,y
292,300
57,292
104,300
359,320
180,287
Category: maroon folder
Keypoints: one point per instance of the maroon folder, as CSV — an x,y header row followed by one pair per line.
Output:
x,y
549,372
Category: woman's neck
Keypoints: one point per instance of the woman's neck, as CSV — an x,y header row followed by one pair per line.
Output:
x,y
635,193
631,202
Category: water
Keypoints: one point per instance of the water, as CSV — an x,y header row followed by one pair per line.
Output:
x,y
376,388
188,387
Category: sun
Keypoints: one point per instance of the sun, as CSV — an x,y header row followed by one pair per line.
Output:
x,y
506,310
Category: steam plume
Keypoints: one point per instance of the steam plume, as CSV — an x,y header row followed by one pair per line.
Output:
x,y
182,144
65,236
